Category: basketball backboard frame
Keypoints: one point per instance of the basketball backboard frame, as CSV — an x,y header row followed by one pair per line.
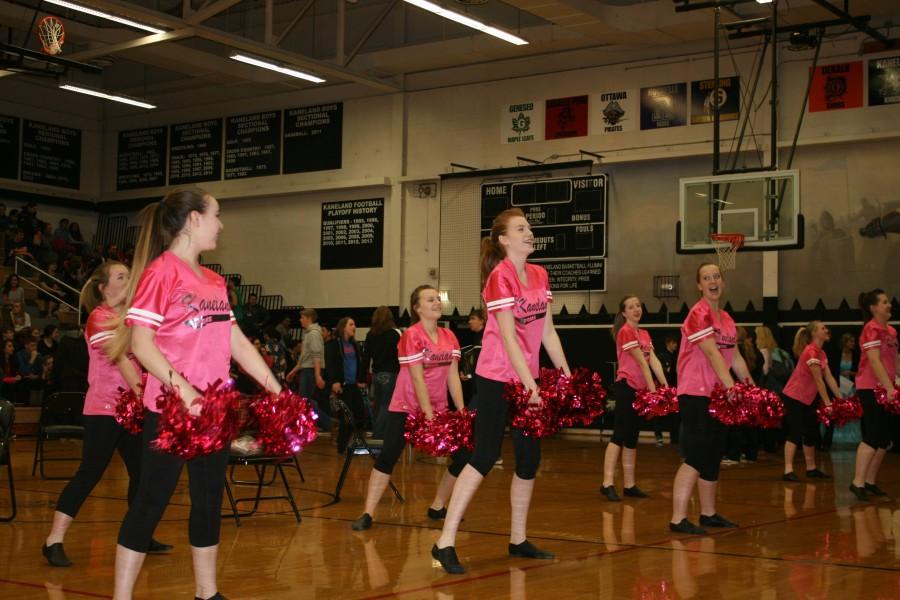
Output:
x,y
763,206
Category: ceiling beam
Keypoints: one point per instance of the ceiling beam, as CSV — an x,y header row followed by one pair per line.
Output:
x,y
297,18
147,40
843,14
208,12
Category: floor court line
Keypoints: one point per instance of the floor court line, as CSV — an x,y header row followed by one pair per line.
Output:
x,y
41,586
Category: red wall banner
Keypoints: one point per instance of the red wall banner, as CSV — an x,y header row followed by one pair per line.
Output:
x,y
837,86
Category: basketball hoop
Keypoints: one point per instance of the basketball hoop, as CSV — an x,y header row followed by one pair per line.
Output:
x,y
726,245
52,35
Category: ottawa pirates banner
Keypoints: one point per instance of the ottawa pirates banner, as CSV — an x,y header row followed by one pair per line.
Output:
x,y
614,111
521,122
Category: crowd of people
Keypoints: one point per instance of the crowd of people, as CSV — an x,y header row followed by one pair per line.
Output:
x,y
182,325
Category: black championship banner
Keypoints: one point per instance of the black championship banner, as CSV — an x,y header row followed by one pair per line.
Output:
x,y
884,81
195,152
51,154
9,147
664,106
352,234
253,145
704,98
313,138
141,158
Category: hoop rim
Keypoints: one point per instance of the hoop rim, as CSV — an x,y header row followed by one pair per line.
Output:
x,y
736,240
51,43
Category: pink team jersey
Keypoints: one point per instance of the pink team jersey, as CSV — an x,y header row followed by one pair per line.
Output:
x,y
417,348
695,374
192,319
627,340
529,305
801,386
104,378
883,337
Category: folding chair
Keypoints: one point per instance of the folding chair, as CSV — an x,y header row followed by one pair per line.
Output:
x,y
260,462
7,418
60,419
358,445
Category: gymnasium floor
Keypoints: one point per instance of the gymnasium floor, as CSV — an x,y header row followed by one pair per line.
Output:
x,y
796,540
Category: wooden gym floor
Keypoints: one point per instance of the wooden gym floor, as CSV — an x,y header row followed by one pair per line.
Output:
x,y
799,540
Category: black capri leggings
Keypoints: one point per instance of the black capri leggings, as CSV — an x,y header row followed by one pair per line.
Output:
x,y
490,422
801,421
876,423
626,422
394,443
702,437
102,437
159,476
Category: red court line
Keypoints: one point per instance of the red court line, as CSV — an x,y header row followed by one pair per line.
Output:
x,y
41,586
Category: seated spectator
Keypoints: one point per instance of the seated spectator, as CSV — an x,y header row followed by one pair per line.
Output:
x,y
284,331
49,382
49,284
9,384
77,239
62,232
31,368
234,299
12,291
18,247
20,320
255,317
41,247
49,341
274,348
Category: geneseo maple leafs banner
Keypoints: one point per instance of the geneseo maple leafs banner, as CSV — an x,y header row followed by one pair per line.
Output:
x,y
521,122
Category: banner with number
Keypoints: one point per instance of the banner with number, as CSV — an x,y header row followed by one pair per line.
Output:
x,y
704,98
521,122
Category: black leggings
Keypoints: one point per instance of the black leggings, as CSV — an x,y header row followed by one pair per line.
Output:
x,y
159,477
394,443
102,437
801,421
490,422
876,423
702,437
626,423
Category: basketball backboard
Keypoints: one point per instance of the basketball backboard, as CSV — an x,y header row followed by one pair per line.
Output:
x,y
764,207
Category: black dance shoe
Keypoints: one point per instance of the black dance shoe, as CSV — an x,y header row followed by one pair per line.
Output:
x,y
55,555
610,492
716,520
685,526
157,547
216,596
447,558
528,550
437,515
817,474
875,490
792,477
634,492
859,492
362,523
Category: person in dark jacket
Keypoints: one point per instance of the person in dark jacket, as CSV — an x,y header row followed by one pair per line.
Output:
x,y
381,359
843,362
346,376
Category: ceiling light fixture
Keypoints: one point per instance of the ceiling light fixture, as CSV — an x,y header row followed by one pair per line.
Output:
x,y
265,64
106,95
764,1
467,21
103,15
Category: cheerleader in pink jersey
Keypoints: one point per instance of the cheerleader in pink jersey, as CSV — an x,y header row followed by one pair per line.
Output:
x,y
180,327
708,344
879,364
807,383
634,352
103,296
429,364
518,297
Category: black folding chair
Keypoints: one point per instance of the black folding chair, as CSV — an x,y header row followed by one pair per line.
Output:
x,y
60,420
260,463
357,445
7,419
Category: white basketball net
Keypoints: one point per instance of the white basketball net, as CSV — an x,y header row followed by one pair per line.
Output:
x,y
51,34
727,255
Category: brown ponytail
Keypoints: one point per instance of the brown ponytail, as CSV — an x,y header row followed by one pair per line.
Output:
x,y
619,320
161,222
491,250
91,296
803,338
867,300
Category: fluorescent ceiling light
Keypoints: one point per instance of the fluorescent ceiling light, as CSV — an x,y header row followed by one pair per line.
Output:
x,y
265,64
764,1
467,21
103,15
105,95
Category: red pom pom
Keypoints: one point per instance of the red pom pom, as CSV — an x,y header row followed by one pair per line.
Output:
x,y
746,404
892,404
189,436
537,420
286,423
841,411
130,411
582,396
662,402
443,435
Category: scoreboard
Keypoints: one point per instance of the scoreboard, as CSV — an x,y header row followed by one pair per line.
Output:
x,y
568,217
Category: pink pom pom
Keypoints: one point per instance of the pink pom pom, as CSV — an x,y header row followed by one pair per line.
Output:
x,y
130,411
746,405
189,436
537,420
841,411
767,408
582,396
662,402
892,404
443,435
286,423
